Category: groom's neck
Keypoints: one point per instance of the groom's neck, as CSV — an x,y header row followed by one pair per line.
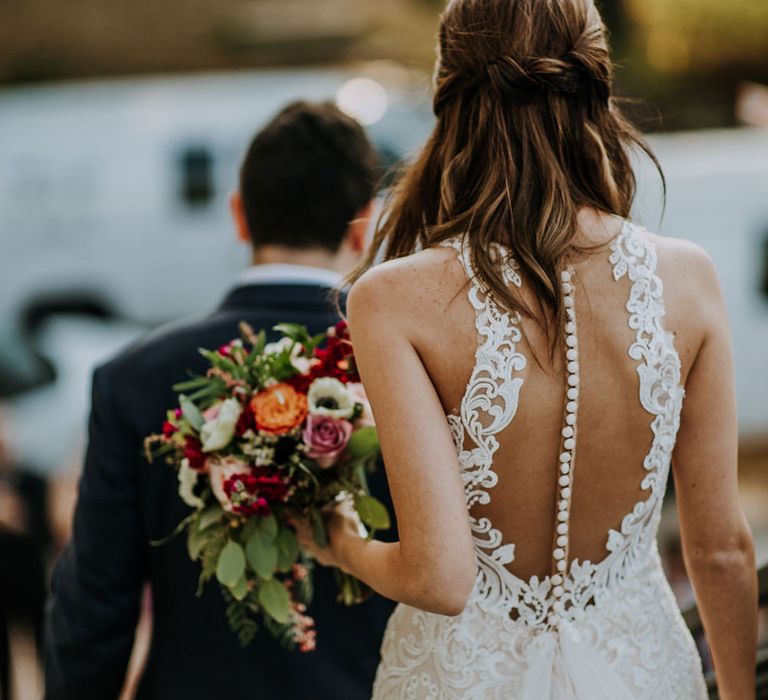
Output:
x,y
282,255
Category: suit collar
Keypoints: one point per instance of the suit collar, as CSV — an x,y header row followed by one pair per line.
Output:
x,y
276,297
289,274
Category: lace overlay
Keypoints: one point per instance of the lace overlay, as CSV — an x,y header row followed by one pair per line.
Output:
x,y
600,631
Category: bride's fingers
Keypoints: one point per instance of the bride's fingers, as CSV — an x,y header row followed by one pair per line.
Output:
x,y
303,531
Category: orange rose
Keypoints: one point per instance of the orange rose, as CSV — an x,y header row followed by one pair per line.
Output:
x,y
279,409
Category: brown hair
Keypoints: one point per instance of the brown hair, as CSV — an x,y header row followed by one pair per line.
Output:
x,y
313,154
527,133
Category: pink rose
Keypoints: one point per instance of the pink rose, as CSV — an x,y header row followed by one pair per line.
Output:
x,y
326,438
219,470
357,391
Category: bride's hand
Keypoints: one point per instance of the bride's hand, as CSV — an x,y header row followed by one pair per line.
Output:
x,y
342,523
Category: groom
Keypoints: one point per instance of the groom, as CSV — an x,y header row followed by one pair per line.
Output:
x,y
303,204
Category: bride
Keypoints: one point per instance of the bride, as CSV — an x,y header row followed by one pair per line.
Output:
x,y
536,363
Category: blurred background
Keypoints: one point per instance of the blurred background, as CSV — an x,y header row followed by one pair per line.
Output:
x,y
122,123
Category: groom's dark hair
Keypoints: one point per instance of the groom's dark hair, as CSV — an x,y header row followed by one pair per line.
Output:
x,y
305,177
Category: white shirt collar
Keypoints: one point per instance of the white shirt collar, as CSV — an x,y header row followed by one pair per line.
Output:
x,y
275,273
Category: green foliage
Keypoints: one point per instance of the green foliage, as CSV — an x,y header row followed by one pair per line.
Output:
x,y
372,513
190,385
191,412
318,529
240,589
195,542
268,524
306,590
364,444
275,600
209,555
240,620
231,564
287,549
299,334
262,554
210,516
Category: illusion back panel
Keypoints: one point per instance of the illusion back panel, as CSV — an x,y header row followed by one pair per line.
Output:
x,y
613,432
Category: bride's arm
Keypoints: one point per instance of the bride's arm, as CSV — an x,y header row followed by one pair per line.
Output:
x,y
717,543
433,565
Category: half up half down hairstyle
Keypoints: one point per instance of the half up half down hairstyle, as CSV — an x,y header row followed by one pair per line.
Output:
x,y
527,134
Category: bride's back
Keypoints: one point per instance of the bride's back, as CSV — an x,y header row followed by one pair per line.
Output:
x,y
613,434
512,220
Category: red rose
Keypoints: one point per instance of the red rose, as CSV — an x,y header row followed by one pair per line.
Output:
x,y
193,451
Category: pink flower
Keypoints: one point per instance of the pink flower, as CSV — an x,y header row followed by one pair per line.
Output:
x,y
357,390
326,438
221,470
211,413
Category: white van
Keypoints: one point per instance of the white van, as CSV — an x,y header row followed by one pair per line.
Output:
x,y
113,195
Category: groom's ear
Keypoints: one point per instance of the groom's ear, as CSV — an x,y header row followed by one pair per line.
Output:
x,y
237,210
357,233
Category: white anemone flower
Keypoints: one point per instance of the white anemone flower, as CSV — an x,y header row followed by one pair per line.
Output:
x,y
327,396
218,432
187,483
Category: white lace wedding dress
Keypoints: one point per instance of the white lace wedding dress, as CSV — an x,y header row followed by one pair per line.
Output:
x,y
587,631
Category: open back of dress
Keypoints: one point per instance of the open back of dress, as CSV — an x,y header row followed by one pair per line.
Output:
x,y
564,466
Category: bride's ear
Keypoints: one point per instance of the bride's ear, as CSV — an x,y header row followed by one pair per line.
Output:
x,y
237,209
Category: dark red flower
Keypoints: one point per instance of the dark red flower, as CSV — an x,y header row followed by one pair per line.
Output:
x,y
246,421
337,357
255,493
301,382
169,429
193,451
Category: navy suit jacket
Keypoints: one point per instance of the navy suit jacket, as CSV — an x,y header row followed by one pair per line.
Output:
x,y
125,503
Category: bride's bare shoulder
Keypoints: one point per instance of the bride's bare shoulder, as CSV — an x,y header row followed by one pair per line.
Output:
x,y
685,267
411,287
695,308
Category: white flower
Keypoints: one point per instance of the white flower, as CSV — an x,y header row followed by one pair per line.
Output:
x,y
187,483
329,397
278,347
218,432
300,364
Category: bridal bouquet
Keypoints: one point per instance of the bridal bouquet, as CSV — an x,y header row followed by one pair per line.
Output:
x,y
272,431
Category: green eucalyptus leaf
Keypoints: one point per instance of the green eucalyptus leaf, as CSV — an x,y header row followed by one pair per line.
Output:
x,y
268,526
231,564
262,554
287,549
363,444
240,589
318,530
275,600
210,516
195,543
191,412
372,513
